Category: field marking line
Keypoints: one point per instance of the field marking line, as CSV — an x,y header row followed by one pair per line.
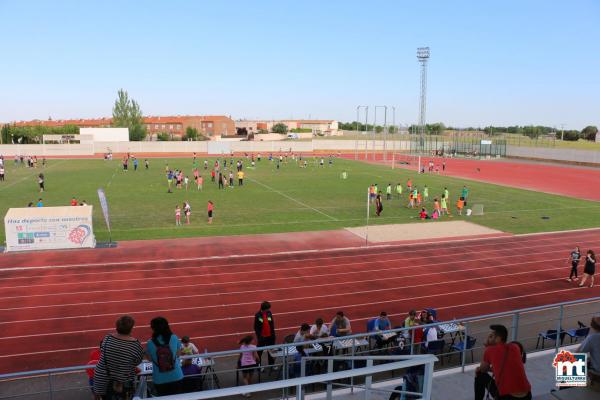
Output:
x,y
448,282
31,176
536,245
293,252
345,307
291,198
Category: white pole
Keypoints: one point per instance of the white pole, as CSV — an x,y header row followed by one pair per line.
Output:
x,y
393,153
419,170
368,212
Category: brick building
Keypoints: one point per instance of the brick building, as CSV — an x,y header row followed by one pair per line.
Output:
x,y
322,127
175,126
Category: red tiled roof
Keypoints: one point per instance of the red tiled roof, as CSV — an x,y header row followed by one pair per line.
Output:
x,y
108,121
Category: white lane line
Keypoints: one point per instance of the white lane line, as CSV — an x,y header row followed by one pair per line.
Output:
x,y
295,328
266,271
292,199
470,249
459,241
387,279
345,307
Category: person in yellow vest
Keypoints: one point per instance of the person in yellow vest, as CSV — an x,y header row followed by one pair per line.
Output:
x,y
240,176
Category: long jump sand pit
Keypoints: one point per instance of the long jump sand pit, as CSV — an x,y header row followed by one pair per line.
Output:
x,y
423,230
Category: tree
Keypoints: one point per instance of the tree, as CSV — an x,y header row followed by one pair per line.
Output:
x,y
127,114
280,128
589,133
5,134
190,133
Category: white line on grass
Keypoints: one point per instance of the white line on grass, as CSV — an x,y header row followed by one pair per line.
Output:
x,y
292,199
32,175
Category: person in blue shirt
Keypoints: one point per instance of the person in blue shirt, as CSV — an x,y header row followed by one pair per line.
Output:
x,y
382,323
40,203
135,164
164,349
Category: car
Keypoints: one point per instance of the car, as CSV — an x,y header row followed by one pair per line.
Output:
x,y
292,136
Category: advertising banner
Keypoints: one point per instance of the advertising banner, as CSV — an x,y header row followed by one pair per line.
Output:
x,y
43,228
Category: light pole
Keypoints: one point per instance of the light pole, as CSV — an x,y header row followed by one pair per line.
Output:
x,y
375,125
423,56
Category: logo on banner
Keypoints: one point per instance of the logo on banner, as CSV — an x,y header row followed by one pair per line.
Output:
x,y
79,234
571,369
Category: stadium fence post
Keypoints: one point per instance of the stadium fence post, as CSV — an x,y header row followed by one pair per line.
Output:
x,y
329,383
559,328
464,348
353,354
515,326
50,390
367,228
368,381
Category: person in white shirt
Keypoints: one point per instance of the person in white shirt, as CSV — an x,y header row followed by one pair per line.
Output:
x,y
319,329
303,335
432,335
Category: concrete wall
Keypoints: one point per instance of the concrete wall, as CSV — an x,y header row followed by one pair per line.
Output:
x,y
198,147
106,134
555,153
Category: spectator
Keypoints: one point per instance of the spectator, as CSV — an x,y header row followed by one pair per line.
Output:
x,y
120,354
431,334
73,202
187,347
506,361
591,345
192,380
590,268
319,329
94,358
264,327
164,349
341,324
382,323
410,321
249,360
303,334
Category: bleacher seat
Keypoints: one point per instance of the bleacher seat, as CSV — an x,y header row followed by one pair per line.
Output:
x,y
580,332
435,347
550,334
464,345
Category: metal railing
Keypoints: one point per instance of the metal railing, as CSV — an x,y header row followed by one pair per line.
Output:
x,y
525,325
397,363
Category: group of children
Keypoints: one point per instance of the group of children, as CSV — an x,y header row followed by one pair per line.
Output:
x,y
134,160
417,198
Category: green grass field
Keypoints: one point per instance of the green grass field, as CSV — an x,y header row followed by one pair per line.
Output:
x,y
291,199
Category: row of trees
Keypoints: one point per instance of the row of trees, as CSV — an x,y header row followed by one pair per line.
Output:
x,y
33,134
587,133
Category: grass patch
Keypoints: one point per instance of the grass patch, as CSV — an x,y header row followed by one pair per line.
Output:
x,y
271,200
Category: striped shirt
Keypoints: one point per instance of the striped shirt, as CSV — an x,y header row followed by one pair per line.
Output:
x,y
117,362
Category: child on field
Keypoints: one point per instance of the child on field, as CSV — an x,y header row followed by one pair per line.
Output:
x,y
411,200
187,209
177,215
426,193
460,205
444,205
186,182
436,206
423,214
210,211
398,190
388,192
199,182
419,198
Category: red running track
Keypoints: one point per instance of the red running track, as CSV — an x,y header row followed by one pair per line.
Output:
x,y
573,181
53,317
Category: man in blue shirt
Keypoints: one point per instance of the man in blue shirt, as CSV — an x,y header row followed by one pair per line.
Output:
x,y
382,323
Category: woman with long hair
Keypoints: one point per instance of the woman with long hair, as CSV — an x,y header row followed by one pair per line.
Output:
x,y
590,268
164,349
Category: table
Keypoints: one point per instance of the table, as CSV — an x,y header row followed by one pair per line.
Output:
x,y
344,344
455,330
208,364
292,350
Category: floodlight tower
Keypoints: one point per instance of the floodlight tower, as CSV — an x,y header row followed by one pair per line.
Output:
x,y
423,57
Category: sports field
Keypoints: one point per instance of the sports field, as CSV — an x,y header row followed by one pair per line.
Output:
x,y
271,200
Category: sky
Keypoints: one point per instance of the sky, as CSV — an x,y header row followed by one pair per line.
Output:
x,y
492,63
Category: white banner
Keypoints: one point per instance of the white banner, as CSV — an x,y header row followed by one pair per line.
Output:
x,y
42,228
104,205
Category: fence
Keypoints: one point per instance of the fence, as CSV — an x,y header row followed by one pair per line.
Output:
x,y
463,342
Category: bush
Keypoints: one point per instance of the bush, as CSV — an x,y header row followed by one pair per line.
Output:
x,y
190,134
280,128
571,136
301,130
163,137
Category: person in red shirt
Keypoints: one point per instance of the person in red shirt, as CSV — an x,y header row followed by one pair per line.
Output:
x,y
73,201
505,360
264,327
94,357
